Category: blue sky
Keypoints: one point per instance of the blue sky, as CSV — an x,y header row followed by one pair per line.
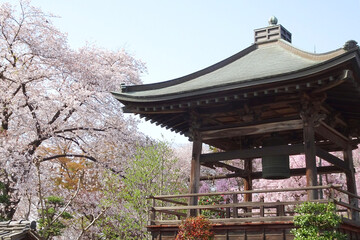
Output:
x,y
175,38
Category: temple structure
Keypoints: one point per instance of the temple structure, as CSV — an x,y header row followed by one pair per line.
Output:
x,y
270,100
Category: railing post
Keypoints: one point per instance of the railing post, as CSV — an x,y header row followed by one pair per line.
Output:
x,y
262,214
235,209
354,213
280,209
227,215
332,193
152,211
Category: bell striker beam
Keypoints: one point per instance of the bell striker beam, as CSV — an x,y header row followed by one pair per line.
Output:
x,y
195,166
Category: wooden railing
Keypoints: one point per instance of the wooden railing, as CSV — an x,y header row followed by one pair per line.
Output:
x,y
171,209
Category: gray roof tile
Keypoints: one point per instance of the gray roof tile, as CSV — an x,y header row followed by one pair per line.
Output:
x,y
17,230
266,60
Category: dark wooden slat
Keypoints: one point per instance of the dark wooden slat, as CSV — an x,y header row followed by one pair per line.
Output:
x,y
252,129
233,220
331,159
258,175
252,153
245,192
331,134
170,201
228,167
229,205
173,213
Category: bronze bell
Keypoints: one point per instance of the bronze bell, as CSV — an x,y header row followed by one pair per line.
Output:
x,y
275,166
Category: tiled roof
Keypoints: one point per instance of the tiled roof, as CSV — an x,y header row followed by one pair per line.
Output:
x,y
18,230
264,61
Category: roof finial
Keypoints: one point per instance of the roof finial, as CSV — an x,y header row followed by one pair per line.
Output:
x,y
351,44
273,20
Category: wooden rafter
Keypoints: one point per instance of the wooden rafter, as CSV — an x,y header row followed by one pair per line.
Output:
x,y
252,153
332,134
252,129
331,159
258,175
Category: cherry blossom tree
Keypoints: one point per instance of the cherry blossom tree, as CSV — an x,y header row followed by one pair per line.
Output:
x,y
52,96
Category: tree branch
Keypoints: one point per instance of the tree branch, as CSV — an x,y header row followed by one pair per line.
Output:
x,y
74,141
68,203
37,164
80,128
83,156
92,222
69,155
32,110
57,114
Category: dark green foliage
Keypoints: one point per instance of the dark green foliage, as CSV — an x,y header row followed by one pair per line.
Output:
x,y
55,200
212,200
49,225
4,198
317,221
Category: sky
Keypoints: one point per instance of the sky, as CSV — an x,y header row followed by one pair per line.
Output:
x,y
175,38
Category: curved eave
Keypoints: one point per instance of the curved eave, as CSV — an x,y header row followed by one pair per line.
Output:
x,y
275,79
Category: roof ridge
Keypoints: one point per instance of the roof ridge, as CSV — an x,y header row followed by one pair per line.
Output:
x,y
308,55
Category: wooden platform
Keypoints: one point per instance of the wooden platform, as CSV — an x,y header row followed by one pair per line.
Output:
x,y
258,231
248,220
249,231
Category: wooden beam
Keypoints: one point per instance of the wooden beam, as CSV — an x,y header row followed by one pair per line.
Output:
x,y
252,153
331,134
195,172
258,175
331,159
350,176
248,180
351,181
151,110
224,165
310,152
252,129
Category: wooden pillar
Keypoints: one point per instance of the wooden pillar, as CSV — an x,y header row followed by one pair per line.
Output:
x,y
310,155
195,172
350,180
248,179
350,175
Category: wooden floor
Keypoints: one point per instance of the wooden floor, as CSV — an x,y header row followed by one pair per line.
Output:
x,y
250,231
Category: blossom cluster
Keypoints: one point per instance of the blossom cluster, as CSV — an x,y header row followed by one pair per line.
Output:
x,y
198,228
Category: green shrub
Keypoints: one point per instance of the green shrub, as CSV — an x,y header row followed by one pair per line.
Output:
x,y
48,225
317,221
212,200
